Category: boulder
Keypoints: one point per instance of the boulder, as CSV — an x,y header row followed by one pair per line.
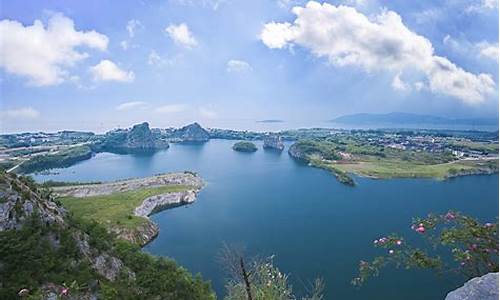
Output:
x,y
479,288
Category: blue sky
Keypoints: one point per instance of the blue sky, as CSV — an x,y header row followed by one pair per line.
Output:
x,y
97,65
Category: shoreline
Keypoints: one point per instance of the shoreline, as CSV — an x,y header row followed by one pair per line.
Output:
x,y
143,233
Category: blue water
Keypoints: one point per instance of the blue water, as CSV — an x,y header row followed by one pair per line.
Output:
x,y
274,205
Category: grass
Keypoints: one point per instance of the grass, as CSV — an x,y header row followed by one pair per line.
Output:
x,y
403,169
117,208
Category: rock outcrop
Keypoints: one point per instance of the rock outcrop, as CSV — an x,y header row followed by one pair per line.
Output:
x,y
156,203
20,199
272,141
479,288
18,202
192,133
137,139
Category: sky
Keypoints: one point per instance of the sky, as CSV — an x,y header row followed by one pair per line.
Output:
x,y
97,65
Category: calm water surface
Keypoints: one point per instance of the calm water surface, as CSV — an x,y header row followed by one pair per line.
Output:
x,y
276,206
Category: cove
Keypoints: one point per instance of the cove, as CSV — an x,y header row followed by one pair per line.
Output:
x,y
273,205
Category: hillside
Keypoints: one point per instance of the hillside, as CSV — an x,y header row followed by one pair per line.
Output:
x,y
400,118
46,253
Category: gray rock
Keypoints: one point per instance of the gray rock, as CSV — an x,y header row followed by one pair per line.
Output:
x,y
272,141
479,288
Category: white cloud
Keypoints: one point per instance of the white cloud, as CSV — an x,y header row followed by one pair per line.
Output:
x,y
45,54
207,112
107,70
382,43
482,6
482,49
124,44
399,85
20,113
155,59
488,50
170,109
181,35
236,66
213,4
131,105
132,27
419,85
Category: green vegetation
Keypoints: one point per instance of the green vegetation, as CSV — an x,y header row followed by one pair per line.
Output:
x,y
472,248
361,156
40,253
115,209
260,279
64,254
384,168
245,147
61,159
485,148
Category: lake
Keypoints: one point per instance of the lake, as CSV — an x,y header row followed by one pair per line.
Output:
x,y
313,225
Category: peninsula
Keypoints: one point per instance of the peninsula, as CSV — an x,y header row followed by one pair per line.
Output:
x,y
124,206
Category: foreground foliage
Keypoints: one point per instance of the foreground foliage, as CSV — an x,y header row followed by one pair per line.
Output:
x,y
471,246
40,254
259,279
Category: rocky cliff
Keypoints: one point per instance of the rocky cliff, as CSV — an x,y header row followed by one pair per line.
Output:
x,y
138,138
272,141
479,288
21,200
192,133
47,253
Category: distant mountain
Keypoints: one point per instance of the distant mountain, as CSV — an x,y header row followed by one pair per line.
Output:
x,y
270,121
400,118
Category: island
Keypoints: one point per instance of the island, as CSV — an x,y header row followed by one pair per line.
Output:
x,y
124,206
244,146
273,142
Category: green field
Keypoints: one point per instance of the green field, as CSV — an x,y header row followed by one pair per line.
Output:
x,y
384,168
116,209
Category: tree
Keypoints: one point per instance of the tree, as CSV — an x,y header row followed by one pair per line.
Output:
x,y
258,279
472,245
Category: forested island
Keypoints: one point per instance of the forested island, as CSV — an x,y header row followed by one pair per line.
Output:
x,y
244,147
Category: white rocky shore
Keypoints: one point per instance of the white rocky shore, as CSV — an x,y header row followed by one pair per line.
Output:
x,y
158,202
89,190
147,232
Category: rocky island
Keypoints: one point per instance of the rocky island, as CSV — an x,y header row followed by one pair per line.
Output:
x,y
244,147
137,139
192,133
274,142
124,206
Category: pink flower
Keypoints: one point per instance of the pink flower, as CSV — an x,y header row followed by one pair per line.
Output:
x,y
420,229
64,291
488,225
399,242
449,216
375,241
